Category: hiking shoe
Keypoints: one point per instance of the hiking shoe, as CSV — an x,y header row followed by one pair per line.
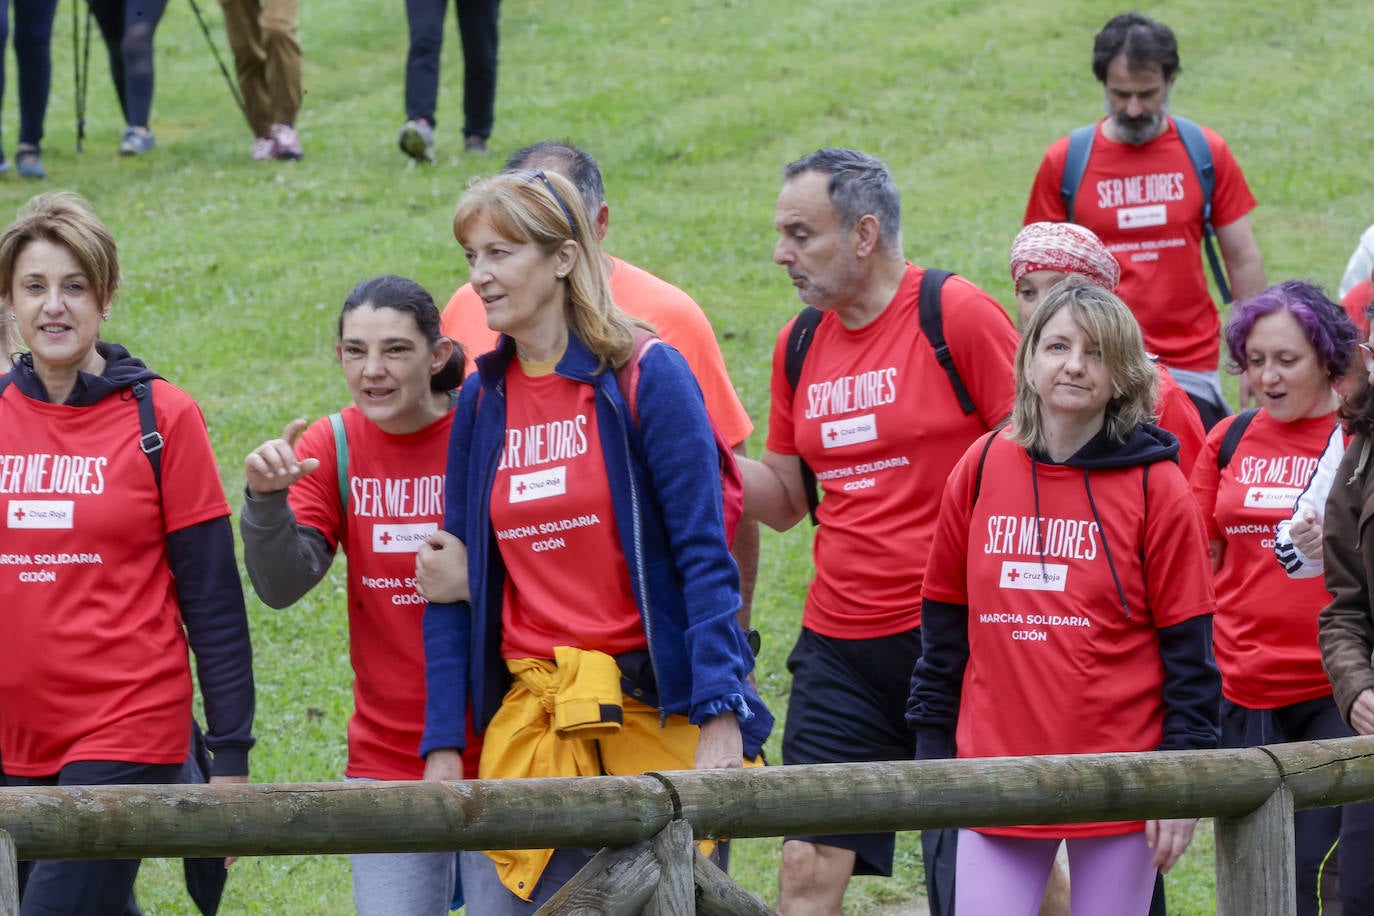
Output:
x,y
264,149
476,145
288,142
417,140
28,160
136,141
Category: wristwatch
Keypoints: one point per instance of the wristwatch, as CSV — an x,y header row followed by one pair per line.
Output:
x,y
754,639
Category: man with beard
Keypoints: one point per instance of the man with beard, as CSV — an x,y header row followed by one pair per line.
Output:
x,y
1142,196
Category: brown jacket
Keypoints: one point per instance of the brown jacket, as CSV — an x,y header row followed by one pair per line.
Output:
x,y
1346,625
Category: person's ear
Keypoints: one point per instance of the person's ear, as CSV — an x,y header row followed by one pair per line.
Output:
x,y
439,355
867,232
565,258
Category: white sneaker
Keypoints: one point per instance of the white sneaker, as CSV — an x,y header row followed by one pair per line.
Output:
x,y
264,149
288,142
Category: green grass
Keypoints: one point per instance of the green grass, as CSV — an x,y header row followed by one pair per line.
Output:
x,y
234,271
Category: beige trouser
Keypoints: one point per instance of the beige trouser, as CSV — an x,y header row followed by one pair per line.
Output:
x,y
267,57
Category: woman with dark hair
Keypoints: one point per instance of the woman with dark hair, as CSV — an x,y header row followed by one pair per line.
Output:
x,y
125,551
369,480
586,511
1293,344
1345,627
1067,607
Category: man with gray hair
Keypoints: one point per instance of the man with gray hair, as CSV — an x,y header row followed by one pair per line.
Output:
x,y
876,415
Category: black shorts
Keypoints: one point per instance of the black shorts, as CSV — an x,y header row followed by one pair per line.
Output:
x,y
848,705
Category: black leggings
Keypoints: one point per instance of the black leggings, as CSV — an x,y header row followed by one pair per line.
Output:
x,y
32,51
127,27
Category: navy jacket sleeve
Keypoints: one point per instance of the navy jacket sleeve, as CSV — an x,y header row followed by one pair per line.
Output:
x,y
1192,686
447,627
211,598
937,681
683,465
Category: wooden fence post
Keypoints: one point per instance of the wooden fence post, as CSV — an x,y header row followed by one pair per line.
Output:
x,y
676,891
9,876
1256,862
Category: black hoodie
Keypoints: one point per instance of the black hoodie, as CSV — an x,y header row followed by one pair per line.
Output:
x,y
1191,682
209,591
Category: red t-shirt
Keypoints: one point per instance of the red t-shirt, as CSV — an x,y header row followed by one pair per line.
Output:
x,y
396,500
1145,203
876,418
566,579
1266,623
1055,664
674,315
1356,301
1178,414
93,663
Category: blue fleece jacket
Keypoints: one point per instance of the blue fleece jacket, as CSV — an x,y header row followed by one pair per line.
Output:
x,y
665,489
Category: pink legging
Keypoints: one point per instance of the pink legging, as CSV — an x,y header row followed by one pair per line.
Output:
x,y
1006,876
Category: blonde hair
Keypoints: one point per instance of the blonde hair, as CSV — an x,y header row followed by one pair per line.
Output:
x,y
62,218
546,210
1108,321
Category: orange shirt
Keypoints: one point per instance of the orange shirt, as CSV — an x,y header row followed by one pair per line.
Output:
x,y
678,320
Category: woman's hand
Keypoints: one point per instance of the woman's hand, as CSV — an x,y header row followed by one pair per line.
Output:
x,y
1362,712
1306,533
1168,838
720,745
441,569
444,765
273,466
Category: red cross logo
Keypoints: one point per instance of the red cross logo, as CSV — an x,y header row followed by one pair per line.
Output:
x,y
386,538
19,514
521,489
833,435
1013,575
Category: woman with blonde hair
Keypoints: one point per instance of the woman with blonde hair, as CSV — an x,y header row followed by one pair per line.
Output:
x,y
1067,605
587,503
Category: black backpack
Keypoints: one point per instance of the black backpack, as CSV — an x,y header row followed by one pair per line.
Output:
x,y
800,338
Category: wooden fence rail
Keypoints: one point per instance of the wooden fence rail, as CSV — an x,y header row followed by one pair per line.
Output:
x,y
1252,791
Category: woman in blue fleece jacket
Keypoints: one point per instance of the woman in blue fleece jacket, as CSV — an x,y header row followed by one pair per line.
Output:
x,y
584,522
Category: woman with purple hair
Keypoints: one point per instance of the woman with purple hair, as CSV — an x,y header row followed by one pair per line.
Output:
x,y
1293,344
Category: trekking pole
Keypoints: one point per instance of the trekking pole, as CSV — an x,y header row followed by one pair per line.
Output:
x,y
233,86
81,66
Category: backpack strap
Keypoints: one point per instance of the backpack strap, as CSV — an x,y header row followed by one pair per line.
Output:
x,y
933,327
1075,164
149,440
1231,438
627,376
1200,155
731,478
799,341
341,457
978,480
